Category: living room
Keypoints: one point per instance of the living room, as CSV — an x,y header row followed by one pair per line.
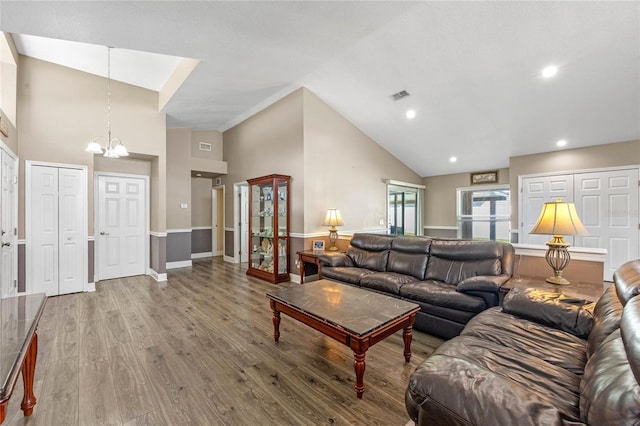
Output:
x,y
301,129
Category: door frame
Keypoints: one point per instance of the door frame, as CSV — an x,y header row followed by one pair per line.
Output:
x,y
14,265
27,219
96,212
236,221
216,221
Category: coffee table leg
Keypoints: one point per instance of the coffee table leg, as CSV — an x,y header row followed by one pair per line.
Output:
x,y
359,364
28,370
407,334
276,321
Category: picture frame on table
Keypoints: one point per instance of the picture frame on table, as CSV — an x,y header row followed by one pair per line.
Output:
x,y
318,245
483,178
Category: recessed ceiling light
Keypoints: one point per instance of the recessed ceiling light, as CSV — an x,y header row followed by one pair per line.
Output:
x,y
453,159
549,71
411,114
561,142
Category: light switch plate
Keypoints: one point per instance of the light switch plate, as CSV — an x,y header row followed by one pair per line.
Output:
x,y
183,205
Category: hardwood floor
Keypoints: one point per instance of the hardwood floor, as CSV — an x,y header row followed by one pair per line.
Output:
x,y
199,350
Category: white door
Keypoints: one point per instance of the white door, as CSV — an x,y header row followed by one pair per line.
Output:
x,y
607,203
244,224
57,221
121,226
8,226
536,191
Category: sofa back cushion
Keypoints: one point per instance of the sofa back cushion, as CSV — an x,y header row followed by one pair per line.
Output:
x,y
370,251
610,390
452,261
409,256
627,280
606,319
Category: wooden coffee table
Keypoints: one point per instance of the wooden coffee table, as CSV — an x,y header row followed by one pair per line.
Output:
x,y
355,317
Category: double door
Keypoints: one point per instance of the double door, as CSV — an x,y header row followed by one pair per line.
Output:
x,y
607,202
56,227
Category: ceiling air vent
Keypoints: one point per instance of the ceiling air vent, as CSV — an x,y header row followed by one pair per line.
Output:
x,y
205,146
400,95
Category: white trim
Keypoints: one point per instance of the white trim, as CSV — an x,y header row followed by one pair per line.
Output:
x,y
147,218
201,255
178,231
158,234
342,234
228,229
578,171
294,278
156,276
179,264
197,228
407,184
577,253
22,241
91,238
90,287
446,228
214,215
8,150
230,259
237,244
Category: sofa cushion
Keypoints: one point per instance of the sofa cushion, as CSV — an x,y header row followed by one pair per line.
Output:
x,y
606,318
346,274
484,383
388,282
549,344
408,263
373,260
372,242
441,294
452,261
627,281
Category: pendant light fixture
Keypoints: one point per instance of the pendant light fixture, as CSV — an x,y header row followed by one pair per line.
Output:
x,y
113,147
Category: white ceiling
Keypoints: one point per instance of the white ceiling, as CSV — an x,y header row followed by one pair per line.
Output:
x,y
472,68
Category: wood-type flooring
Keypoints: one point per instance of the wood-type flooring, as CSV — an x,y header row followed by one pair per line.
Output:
x,y
199,349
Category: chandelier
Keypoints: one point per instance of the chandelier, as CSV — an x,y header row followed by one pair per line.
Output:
x,y
113,147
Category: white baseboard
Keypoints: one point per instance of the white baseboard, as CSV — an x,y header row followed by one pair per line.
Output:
x,y
156,276
230,259
201,255
179,264
90,287
294,278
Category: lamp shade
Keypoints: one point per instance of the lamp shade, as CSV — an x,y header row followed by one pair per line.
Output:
x,y
333,218
559,218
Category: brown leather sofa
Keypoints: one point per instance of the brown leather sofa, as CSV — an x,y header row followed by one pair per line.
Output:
x,y
451,280
542,359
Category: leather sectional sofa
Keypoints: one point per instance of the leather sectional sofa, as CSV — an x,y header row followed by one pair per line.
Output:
x,y
451,280
541,359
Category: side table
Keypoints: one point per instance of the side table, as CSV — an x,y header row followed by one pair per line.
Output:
x,y
586,291
309,257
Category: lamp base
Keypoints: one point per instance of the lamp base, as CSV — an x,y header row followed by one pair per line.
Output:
x,y
558,280
333,248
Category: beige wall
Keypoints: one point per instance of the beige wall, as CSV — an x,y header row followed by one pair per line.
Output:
x,y
213,137
593,157
60,110
178,178
345,169
201,201
128,165
440,196
269,142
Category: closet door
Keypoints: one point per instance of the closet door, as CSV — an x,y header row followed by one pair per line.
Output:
x,y
607,203
536,191
57,222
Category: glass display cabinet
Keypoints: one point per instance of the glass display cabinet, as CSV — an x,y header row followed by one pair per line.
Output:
x,y
269,228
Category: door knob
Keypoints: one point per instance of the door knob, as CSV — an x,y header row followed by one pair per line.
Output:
x,y
104,233
6,244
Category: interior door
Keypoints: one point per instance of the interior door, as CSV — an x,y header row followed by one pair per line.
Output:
x,y
121,226
536,191
607,203
57,205
8,225
244,224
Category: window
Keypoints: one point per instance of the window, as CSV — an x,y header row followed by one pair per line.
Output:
x,y
484,213
404,212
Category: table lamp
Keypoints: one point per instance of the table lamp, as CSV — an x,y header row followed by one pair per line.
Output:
x,y
558,218
333,219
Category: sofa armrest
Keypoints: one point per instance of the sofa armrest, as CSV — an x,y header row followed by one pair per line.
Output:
x,y
335,259
551,308
488,283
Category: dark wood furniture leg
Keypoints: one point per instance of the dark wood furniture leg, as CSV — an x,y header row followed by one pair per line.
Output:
x,y
276,321
28,371
407,335
359,365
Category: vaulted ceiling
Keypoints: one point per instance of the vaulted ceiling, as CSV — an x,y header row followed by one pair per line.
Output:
x,y
472,69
